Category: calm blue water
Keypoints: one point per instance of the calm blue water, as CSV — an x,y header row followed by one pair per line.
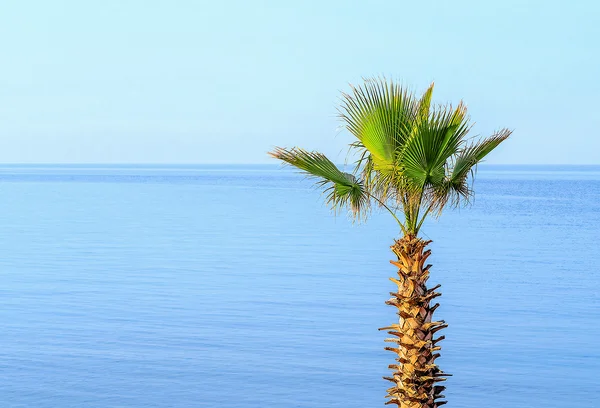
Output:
x,y
235,287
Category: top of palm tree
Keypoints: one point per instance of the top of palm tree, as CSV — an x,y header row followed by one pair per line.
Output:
x,y
412,158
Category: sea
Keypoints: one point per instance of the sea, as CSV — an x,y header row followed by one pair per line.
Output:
x,y
236,286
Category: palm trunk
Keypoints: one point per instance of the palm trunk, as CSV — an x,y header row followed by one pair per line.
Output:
x,y
415,373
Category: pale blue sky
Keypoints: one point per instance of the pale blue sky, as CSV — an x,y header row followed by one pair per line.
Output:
x,y
222,82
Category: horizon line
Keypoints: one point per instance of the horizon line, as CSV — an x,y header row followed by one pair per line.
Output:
x,y
241,164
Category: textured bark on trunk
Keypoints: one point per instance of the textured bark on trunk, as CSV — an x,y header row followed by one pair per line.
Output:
x,y
415,374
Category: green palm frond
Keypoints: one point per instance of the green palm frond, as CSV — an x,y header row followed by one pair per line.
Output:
x,y
425,103
343,190
432,142
379,114
465,162
476,152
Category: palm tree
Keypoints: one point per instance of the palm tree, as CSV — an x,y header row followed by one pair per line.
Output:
x,y
412,160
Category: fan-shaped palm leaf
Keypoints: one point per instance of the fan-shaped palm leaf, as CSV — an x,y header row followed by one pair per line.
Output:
x,y
342,189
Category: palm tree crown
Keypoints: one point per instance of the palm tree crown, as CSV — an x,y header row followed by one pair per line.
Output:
x,y
412,158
